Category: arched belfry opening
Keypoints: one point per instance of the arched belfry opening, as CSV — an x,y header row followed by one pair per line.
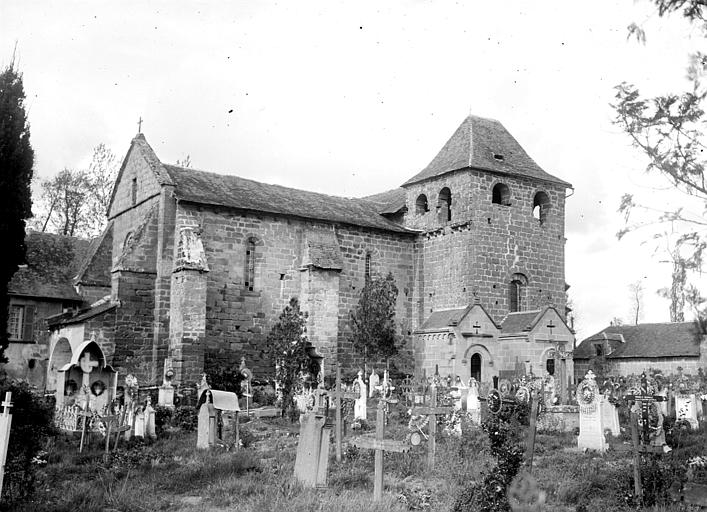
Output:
x,y
516,293
541,207
421,206
501,194
444,205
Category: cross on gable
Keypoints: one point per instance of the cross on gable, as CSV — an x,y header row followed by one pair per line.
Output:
x,y
86,363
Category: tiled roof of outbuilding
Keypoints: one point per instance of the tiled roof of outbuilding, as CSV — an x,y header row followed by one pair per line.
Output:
x,y
678,339
485,144
236,192
52,262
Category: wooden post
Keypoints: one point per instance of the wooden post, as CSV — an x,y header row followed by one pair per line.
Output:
x,y
379,445
638,491
339,395
337,402
378,465
5,424
238,432
432,411
530,445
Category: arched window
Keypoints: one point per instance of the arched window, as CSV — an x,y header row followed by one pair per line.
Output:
x,y
249,280
128,239
367,268
444,205
516,293
550,366
501,194
541,206
133,191
421,206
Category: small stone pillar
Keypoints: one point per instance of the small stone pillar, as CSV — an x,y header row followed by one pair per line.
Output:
x,y
206,429
360,404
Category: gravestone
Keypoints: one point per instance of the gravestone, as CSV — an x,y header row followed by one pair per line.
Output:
x,y
312,460
139,423
165,396
591,428
149,414
473,405
206,428
373,382
609,416
360,404
686,409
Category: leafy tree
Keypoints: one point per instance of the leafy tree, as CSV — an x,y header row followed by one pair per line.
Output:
x,y
668,129
287,345
75,202
16,163
373,331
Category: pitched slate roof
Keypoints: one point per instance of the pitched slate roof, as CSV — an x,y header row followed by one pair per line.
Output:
x,y
444,319
81,316
485,144
52,262
390,201
91,271
521,321
667,339
236,192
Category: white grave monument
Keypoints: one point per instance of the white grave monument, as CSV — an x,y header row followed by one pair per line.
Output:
x,y
609,416
591,428
373,382
686,409
473,406
360,404
165,397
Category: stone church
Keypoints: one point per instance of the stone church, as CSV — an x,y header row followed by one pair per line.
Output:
x,y
196,266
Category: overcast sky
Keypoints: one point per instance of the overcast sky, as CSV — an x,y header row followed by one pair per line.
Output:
x,y
355,98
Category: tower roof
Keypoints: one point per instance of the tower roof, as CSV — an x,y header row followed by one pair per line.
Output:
x,y
485,144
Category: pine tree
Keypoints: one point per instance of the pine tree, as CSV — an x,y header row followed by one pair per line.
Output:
x,y
16,162
373,321
287,345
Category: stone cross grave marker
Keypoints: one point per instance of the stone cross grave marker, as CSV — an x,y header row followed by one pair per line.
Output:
x,y
432,411
5,424
87,365
340,395
591,429
379,444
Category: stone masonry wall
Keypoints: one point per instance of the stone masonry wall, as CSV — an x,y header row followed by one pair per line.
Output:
x,y
238,320
134,322
485,243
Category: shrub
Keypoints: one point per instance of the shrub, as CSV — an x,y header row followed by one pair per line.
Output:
x,y
163,418
186,418
32,426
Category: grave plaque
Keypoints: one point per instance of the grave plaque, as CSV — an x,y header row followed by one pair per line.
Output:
x,y
686,409
591,429
312,459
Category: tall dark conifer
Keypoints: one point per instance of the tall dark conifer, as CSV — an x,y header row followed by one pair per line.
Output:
x,y
16,162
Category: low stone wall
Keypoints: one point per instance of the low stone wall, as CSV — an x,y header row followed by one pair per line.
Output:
x,y
559,418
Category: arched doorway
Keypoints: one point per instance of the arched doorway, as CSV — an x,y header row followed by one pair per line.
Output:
x,y
475,367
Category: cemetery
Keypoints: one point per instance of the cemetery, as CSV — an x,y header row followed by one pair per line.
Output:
x,y
356,442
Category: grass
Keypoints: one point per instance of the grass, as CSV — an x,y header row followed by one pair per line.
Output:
x,y
171,474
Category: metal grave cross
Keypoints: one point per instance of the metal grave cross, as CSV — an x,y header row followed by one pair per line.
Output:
x,y
432,411
340,395
379,445
87,365
646,399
